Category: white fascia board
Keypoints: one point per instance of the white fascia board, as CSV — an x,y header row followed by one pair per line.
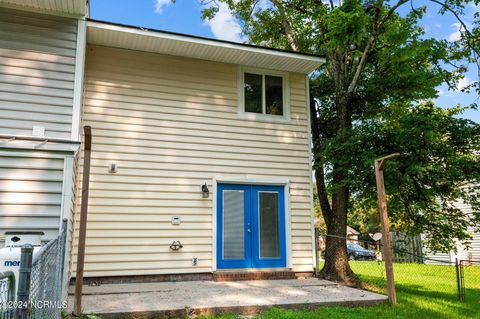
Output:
x,y
314,61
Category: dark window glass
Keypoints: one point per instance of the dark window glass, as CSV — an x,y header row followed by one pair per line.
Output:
x,y
274,95
269,236
253,93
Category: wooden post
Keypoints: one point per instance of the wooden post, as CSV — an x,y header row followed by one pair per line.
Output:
x,y
382,206
83,221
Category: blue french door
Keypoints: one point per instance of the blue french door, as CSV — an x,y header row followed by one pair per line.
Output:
x,y
250,226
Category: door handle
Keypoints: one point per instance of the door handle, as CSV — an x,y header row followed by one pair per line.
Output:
x,y
249,228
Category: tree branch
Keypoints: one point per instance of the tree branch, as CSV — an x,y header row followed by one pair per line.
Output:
x,y
286,25
391,11
476,52
332,6
366,52
319,174
377,25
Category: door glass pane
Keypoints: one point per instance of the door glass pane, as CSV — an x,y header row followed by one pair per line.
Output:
x,y
274,95
269,237
253,93
233,225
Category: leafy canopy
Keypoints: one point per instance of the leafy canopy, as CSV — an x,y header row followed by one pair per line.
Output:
x,y
387,70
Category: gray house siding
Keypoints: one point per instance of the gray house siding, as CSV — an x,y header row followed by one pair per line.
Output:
x,y
31,192
472,252
38,53
37,66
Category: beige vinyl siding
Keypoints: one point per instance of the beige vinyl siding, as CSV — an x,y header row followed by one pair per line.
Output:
x,y
37,63
171,124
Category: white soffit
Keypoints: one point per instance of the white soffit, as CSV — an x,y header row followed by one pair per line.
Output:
x,y
63,7
133,38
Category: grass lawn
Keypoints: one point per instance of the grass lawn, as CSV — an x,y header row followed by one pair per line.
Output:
x,y
423,291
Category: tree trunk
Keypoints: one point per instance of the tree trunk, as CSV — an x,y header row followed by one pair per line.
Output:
x,y
336,265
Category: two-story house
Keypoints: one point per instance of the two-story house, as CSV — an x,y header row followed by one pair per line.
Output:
x,y
209,145
201,148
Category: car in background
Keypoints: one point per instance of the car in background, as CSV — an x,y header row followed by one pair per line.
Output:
x,y
357,252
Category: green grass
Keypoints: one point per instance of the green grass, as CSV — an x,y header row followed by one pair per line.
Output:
x,y
423,291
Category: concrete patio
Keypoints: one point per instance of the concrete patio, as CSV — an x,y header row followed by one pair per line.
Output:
x,y
173,299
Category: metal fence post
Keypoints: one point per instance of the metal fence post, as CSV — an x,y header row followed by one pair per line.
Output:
x,y
24,276
462,279
62,250
459,270
317,234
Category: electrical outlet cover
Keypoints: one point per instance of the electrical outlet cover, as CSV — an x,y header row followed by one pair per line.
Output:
x,y
176,220
38,131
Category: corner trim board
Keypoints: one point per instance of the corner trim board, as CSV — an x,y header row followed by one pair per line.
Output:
x,y
79,77
310,159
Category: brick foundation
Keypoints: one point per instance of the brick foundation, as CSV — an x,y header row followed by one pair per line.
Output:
x,y
239,275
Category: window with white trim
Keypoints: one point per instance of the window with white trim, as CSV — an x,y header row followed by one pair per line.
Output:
x,y
263,94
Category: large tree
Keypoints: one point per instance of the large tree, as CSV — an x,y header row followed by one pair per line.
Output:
x,y
371,98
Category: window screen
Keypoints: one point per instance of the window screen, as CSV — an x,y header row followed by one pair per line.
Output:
x,y
233,225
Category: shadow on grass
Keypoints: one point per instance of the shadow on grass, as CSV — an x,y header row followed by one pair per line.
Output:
x,y
423,291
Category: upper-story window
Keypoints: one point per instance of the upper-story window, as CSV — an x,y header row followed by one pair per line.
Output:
x,y
263,94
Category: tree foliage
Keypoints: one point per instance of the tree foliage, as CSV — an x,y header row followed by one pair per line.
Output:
x,y
373,96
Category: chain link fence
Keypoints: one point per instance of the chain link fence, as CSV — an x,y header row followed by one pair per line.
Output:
x,y
416,272
46,291
468,277
37,293
7,294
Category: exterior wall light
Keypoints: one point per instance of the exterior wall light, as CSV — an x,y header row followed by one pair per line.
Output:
x,y
205,191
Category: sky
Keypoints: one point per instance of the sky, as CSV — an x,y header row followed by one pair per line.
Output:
x,y
184,16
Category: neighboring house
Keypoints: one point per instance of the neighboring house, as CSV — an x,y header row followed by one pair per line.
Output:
x,y
462,253
40,97
172,115
352,235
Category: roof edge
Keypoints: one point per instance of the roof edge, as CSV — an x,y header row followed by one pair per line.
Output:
x,y
50,12
201,40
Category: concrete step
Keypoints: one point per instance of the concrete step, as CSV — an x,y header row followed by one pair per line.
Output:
x,y
240,275
187,299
